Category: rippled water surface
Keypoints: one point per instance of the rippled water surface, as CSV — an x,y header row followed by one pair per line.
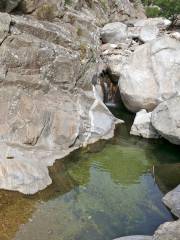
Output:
x,y
106,191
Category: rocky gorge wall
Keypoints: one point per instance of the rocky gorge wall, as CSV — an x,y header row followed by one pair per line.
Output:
x,y
49,55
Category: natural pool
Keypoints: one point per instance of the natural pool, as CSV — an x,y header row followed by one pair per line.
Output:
x,y
108,190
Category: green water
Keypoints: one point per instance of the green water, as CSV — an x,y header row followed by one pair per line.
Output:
x,y
105,191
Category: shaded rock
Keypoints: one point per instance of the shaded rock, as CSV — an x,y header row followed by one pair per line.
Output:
x,y
138,237
114,32
142,125
166,119
172,200
167,175
5,21
168,231
151,75
10,5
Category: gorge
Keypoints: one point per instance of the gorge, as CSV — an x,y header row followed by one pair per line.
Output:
x,y
76,79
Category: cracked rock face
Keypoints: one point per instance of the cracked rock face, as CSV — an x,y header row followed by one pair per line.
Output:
x,y
148,78
48,105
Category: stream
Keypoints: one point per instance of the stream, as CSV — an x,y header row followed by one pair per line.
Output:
x,y
110,189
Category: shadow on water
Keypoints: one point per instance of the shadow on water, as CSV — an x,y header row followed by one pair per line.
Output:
x,y
102,192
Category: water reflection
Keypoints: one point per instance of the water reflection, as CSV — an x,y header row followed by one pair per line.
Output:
x,y
104,191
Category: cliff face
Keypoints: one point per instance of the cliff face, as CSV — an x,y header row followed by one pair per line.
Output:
x,y
49,55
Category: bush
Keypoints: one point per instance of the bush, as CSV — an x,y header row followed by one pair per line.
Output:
x,y
168,8
152,11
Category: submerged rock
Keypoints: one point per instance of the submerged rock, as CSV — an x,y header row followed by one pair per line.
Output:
x,y
151,75
166,119
142,125
172,201
138,237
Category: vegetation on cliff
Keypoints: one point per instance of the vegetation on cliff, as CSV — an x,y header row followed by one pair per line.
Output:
x,y
166,8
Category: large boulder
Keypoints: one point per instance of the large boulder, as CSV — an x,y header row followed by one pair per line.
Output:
x,y
142,125
166,119
114,32
151,75
172,201
38,128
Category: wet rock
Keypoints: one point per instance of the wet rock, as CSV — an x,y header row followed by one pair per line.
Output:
x,y
167,175
142,125
172,201
166,119
151,74
114,32
168,231
138,237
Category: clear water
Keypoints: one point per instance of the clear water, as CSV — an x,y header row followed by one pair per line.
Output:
x,y
105,191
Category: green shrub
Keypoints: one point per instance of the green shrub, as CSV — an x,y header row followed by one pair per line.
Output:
x,y
168,8
152,11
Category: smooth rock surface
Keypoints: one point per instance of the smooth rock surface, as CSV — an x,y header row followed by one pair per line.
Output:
x,y
151,75
166,119
148,33
168,231
172,200
160,22
114,32
142,125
